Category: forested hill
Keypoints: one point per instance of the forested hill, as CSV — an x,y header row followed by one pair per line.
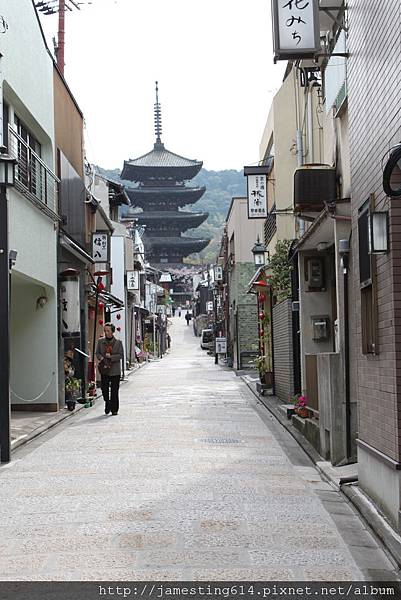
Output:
x,y
221,186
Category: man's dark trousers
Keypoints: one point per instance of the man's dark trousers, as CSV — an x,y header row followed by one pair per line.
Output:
x,y
111,401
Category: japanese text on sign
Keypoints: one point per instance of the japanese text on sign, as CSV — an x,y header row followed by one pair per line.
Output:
x,y
133,280
296,30
257,196
100,247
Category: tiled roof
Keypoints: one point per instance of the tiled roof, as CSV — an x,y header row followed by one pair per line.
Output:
x,y
160,157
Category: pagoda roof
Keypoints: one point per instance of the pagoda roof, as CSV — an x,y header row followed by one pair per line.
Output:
x,y
179,195
188,219
183,244
160,163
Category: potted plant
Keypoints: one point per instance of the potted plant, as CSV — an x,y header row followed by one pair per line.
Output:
x,y
72,388
301,406
92,388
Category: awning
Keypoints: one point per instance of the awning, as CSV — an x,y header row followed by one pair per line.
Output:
x,y
76,250
262,270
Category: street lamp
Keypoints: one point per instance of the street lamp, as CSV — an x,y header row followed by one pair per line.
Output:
x,y
7,179
259,253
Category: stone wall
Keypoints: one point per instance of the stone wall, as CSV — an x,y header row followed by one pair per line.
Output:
x,y
247,318
283,350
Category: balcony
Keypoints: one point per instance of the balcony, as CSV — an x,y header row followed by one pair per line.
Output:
x,y
32,177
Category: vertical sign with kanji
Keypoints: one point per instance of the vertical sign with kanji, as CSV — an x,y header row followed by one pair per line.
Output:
x,y
132,280
295,28
100,247
257,196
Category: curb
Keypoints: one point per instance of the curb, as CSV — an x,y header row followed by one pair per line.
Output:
x,y
62,416
365,507
36,432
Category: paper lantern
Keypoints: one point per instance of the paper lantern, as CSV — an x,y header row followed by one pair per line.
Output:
x,y
101,286
101,306
101,321
262,297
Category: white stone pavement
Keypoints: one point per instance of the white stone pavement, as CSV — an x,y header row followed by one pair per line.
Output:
x,y
192,480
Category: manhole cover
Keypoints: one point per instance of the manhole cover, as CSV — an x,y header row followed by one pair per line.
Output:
x,y
220,441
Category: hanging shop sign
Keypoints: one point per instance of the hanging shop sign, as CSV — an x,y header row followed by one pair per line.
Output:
x,y
221,345
133,280
209,306
70,306
257,191
296,31
100,247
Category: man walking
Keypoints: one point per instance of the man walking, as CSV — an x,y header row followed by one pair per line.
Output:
x,y
109,353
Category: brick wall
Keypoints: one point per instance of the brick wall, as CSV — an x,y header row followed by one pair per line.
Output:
x,y
246,309
283,356
374,77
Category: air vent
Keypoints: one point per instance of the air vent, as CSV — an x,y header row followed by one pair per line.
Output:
x,y
314,186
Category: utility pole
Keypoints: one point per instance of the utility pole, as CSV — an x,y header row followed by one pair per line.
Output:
x,y
50,7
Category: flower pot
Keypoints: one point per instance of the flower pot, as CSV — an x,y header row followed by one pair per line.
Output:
x,y
266,378
302,412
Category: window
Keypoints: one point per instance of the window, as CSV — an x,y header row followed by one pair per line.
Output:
x,y
367,285
28,171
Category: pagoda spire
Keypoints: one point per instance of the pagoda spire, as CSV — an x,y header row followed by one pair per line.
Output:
x,y
158,118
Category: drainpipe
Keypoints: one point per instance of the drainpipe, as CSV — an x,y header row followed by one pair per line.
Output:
x,y
344,253
300,162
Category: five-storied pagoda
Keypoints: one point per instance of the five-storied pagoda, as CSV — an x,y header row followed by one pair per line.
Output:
x,y
161,192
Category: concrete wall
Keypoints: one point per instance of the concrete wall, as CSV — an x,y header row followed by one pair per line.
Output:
x,y
27,69
283,350
245,230
33,330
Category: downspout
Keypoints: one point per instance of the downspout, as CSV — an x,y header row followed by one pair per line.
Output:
x,y
299,144
345,266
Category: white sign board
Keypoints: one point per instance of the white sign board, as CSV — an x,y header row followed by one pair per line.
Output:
x,y
132,280
209,306
295,28
221,345
70,307
257,196
100,247
219,273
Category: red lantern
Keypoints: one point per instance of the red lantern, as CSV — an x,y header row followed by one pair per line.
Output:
x,y
118,328
101,286
118,316
262,297
101,306
101,321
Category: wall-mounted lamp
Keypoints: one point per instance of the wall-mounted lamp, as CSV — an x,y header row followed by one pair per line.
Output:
x,y
12,257
343,250
259,253
378,232
41,302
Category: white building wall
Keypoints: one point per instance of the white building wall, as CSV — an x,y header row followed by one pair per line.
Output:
x,y
27,71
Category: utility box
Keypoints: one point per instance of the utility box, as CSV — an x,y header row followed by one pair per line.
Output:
x,y
320,328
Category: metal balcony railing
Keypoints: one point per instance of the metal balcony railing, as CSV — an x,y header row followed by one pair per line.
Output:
x,y
32,177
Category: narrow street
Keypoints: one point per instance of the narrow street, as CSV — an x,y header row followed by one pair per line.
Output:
x,y
192,480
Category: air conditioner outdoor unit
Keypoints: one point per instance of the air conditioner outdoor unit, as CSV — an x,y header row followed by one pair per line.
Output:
x,y
314,186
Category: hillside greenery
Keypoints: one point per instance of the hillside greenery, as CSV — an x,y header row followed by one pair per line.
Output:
x,y
221,187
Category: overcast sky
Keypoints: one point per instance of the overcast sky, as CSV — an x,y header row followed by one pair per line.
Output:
x,y
213,61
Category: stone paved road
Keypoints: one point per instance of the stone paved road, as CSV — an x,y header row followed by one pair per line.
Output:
x,y
193,480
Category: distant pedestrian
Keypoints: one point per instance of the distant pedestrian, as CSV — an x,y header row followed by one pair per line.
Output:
x,y
109,353
173,309
179,311
188,317
168,341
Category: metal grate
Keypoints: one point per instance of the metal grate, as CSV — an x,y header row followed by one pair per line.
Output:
x,y
220,441
270,225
